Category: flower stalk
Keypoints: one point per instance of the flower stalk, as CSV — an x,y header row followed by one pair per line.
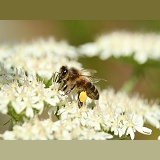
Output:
x,y
131,82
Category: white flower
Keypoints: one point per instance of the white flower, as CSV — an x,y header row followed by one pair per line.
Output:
x,y
142,46
32,130
119,114
8,135
3,103
153,116
90,49
41,57
124,115
102,136
136,124
28,95
26,74
18,105
117,126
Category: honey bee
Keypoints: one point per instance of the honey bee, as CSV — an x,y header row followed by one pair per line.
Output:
x,y
71,78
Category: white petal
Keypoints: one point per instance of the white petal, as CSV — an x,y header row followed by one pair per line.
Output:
x,y
3,108
29,112
8,135
143,130
66,135
140,57
130,132
53,101
102,136
18,106
137,120
90,49
52,110
38,105
153,120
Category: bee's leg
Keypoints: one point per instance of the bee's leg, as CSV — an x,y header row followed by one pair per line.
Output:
x,y
68,91
55,77
62,85
80,104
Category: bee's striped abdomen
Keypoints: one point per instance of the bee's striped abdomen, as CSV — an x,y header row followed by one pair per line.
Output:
x,y
91,91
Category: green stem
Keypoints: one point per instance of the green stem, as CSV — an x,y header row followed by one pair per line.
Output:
x,y
48,83
130,84
57,116
6,122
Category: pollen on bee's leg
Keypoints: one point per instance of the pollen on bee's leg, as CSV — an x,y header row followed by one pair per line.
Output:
x,y
82,96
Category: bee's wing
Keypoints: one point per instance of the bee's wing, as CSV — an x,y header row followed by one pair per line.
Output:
x,y
93,79
88,72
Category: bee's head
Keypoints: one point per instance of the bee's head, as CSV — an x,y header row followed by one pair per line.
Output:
x,y
63,72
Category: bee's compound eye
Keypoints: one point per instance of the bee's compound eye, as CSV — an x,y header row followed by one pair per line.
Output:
x,y
82,96
65,71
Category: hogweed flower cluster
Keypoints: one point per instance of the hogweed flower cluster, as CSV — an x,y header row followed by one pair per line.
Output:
x,y
27,87
142,46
